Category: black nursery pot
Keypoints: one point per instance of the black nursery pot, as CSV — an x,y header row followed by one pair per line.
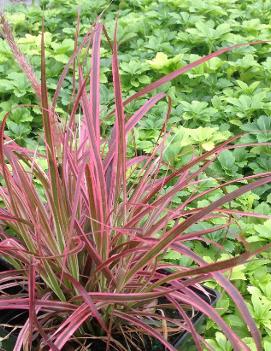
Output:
x,y
179,341
184,339
10,317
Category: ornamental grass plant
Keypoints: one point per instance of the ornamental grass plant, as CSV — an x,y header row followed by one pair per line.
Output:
x,y
86,234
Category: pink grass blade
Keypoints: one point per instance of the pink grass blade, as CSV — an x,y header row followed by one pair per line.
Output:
x,y
97,173
60,216
179,229
74,212
75,47
231,290
199,233
95,81
118,256
191,298
22,337
23,304
123,298
187,320
120,127
187,68
145,327
141,213
4,216
14,249
161,204
34,205
70,132
71,325
223,185
45,104
244,213
87,38
109,162
135,160
213,267
32,300
147,172
46,338
162,201
165,180
131,123
10,186
88,301
96,212
179,212
20,58
94,254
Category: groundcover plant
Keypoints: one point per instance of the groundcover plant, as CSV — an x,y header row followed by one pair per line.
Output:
x,y
86,223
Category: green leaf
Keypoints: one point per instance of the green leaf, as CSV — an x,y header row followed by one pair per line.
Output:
x,y
159,61
61,58
261,127
238,273
226,159
16,18
6,85
264,230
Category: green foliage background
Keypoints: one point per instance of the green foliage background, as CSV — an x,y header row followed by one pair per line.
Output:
x,y
225,96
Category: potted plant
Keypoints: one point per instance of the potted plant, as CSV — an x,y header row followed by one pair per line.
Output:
x,y
86,234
